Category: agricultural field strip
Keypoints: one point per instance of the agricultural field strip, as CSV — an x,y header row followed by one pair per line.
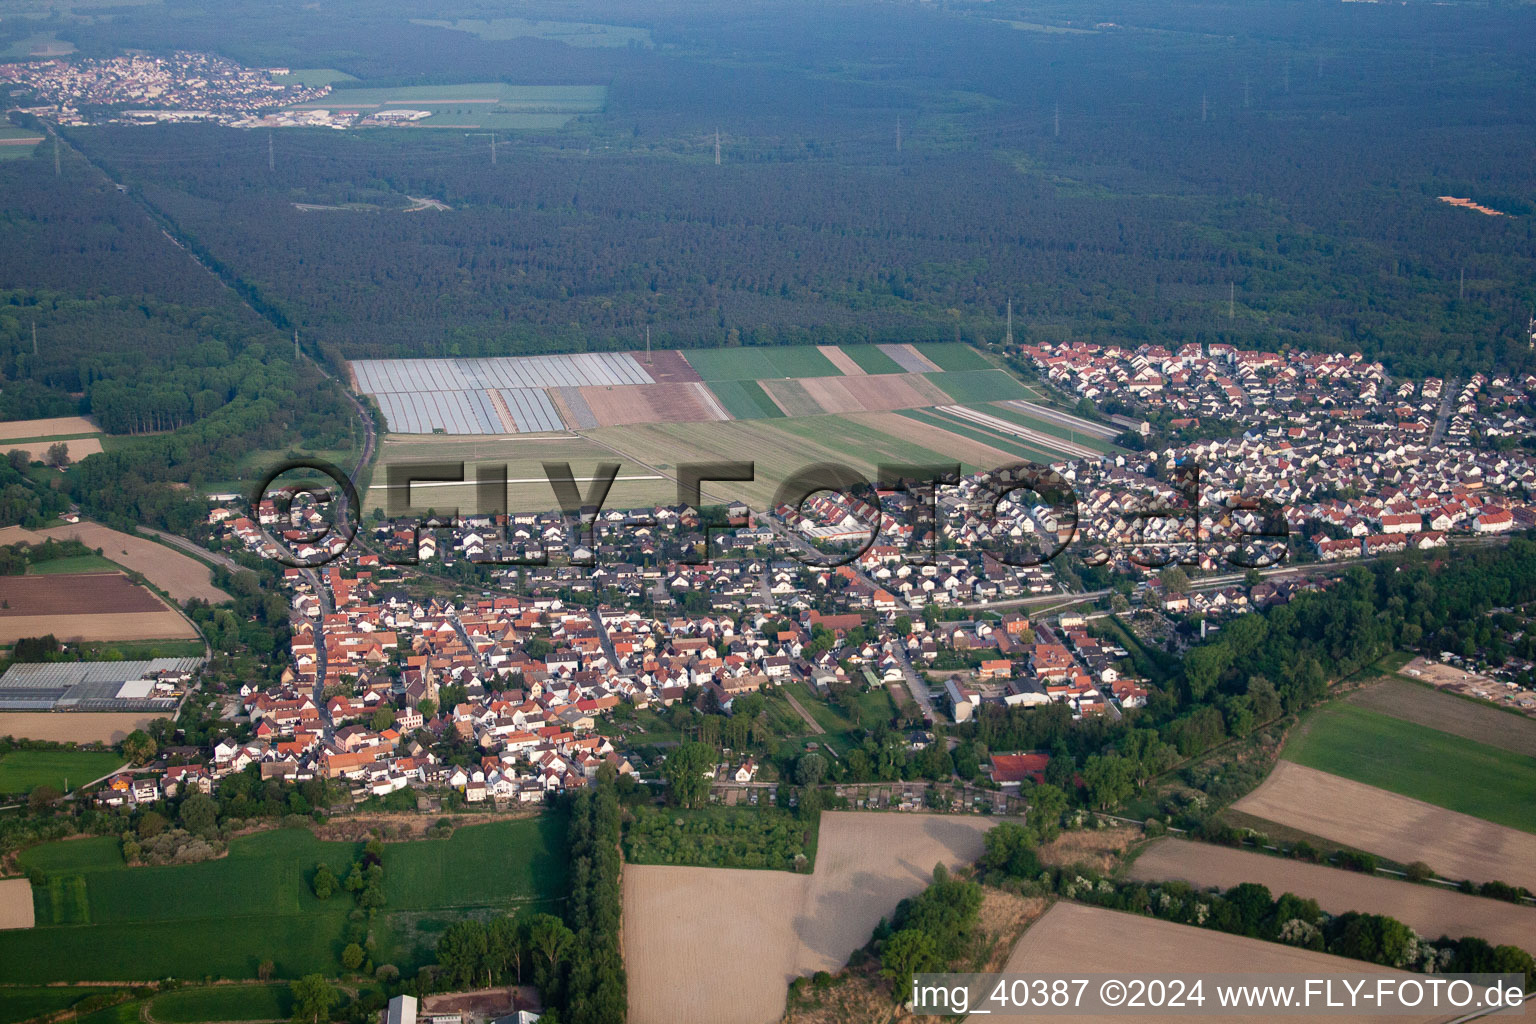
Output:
x,y
96,593
909,359
1071,936
1035,437
1002,442
1412,760
1420,704
564,98
1077,423
1427,909
840,359
1398,827
96,726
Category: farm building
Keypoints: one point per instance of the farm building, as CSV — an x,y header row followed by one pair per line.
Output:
x,y
155,685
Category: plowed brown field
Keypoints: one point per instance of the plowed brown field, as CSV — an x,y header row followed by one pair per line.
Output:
x,y
1072,938
15,903
1406,830
1429,910
628,404
667,366
74,726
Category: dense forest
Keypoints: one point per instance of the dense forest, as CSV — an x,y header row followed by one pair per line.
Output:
x,y
1113,183
887,172
129,329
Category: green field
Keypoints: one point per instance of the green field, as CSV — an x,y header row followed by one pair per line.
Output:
x,y
953,355
765,363
77,563
474,105
21,771
19,1004
871,359
9,150
1415,761
745,399
572,33
968,386
527,489
223,1002
99,919
313,76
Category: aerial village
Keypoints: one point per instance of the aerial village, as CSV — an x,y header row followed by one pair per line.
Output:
x,y
524,668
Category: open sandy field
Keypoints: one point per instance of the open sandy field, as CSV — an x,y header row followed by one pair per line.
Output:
x,y
1074,938
37,451
1406,830
179,575
13,429
720,946
1429,910
73,726
1474,721
15,903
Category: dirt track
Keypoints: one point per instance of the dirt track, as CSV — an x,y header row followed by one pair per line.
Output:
x,y
719,946
1429,910
1406,830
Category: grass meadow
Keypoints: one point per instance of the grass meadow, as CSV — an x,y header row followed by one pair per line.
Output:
x,y
22,771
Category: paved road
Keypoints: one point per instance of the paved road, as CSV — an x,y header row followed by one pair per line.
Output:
x,y
1447,396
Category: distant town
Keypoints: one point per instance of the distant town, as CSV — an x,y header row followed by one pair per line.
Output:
x,y
136,89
